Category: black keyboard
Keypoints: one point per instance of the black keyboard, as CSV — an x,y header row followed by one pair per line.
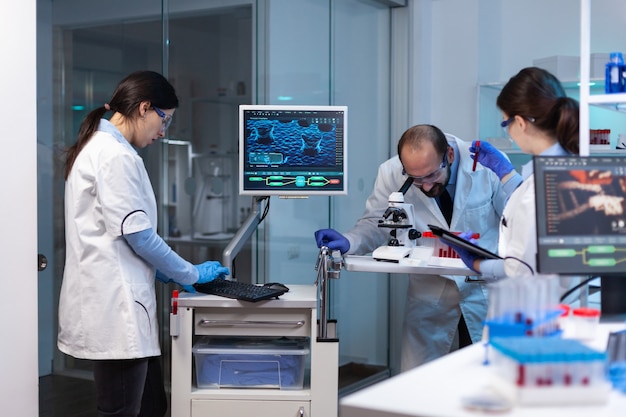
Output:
x,y
239,290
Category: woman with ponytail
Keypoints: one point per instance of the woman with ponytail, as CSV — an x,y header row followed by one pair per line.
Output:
x,y
542,120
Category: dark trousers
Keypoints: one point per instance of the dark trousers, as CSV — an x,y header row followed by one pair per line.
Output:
x,y
130,388
464,336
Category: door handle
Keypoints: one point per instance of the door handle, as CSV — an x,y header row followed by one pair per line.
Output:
x,y
42,262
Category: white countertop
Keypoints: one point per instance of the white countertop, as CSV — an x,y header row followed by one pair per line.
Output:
x,y
437,388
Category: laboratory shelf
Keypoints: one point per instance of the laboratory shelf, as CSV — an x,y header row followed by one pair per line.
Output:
x,y
615,102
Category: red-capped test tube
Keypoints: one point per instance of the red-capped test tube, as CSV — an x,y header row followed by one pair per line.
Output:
x,y
174,309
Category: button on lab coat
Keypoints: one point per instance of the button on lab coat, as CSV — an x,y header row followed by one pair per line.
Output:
x,y
107,307
434,302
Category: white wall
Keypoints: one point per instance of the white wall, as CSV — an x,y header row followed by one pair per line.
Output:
x,y
472,41
18,222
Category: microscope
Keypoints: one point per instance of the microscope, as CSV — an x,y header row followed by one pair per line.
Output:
x,y
400,219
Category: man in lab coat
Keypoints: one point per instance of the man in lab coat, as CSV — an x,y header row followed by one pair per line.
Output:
x,y
443,313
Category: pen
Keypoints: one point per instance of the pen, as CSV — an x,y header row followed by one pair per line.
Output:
x,y
477,146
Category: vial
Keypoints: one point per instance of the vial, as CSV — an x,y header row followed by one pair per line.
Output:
x,y
614,75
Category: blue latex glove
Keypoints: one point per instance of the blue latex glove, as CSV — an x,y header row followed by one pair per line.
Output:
x,y
467,257
208,271
332,239
491,158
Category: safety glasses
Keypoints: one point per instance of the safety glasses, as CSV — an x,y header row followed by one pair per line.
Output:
x,y
166,119
506,123
431,178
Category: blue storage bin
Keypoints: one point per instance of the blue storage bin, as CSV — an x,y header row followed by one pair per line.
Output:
x,y
250,362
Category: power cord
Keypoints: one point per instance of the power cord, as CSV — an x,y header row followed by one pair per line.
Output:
x,y
532,272
575,287
266,209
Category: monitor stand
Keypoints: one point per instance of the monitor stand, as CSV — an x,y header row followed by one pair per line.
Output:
x,y
243,234
613,298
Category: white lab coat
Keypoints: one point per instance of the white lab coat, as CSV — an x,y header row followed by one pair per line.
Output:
x,y
435,303
107,307
518,228
518,231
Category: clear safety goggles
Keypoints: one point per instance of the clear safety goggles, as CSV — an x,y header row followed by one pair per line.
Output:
x,y
166,119
506,123
431,178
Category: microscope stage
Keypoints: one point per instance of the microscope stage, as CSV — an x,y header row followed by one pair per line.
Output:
x,y
391,253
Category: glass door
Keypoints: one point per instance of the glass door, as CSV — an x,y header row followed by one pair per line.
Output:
x,y
192,170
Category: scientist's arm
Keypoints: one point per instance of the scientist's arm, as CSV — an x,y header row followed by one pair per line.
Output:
x,y
366,236
152,248
491,269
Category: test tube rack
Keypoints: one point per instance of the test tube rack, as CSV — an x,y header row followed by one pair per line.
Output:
x,y
519,325
549,371
524,306
440,249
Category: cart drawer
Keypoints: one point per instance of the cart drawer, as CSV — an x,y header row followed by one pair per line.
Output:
x,y
239,408
253,322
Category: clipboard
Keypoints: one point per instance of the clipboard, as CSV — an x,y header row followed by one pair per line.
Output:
x,y
453,239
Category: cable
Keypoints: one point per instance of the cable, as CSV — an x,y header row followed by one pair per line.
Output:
x,y
575,287
266,209
532,272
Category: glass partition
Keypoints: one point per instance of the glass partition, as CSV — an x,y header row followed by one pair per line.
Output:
x,y
220,56
337,55
193,169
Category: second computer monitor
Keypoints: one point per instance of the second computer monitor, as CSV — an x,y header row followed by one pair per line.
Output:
x,y
292,150
581,214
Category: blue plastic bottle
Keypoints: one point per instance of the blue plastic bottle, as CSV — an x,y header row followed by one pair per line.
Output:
x,y
614,82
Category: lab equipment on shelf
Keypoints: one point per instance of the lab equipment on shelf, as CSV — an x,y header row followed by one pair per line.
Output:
x,y
614,82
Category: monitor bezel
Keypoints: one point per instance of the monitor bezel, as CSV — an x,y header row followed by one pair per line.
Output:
x,y
291,193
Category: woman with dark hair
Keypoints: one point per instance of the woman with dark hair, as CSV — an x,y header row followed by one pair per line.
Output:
x,y
542,120
107,306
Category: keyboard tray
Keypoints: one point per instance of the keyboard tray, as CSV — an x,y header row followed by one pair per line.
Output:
x,y
238,290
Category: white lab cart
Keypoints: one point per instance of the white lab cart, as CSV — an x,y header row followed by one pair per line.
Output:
x,y
294,315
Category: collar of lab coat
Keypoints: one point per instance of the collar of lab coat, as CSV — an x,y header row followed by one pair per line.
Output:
x,y
554,150
108,127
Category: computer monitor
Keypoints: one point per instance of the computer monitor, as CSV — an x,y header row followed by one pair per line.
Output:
x,y
581,215
293,150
